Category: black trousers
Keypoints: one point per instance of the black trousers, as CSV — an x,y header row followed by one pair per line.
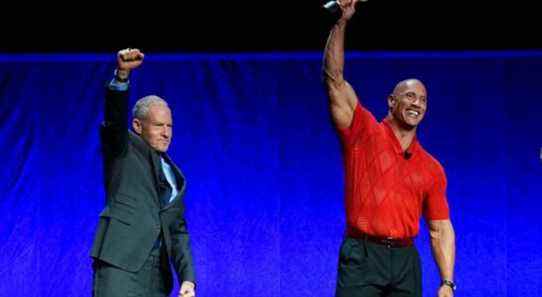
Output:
x,y
153,280
367,269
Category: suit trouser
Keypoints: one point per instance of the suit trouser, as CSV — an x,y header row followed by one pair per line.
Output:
x,y
152,280
367,269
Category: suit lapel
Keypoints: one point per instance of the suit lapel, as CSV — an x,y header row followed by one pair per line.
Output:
x,y
156,166
154,159
179,177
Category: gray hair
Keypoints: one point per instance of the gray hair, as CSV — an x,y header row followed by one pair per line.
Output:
x,y
141,108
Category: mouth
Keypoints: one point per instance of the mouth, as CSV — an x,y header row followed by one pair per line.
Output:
x,y
412,113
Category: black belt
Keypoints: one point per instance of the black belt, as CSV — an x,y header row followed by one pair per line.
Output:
x,y
390,241
386,241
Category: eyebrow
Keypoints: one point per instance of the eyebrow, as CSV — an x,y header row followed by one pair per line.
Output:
x,y
161,123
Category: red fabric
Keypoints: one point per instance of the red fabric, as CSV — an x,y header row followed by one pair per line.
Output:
x,y
385,193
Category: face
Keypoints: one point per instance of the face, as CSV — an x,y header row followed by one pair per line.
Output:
x,y
408,103
156,128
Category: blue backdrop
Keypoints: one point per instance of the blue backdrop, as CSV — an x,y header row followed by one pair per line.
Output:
x,y
253,135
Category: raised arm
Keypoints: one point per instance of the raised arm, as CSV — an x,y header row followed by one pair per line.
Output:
x,y
342,97
114,131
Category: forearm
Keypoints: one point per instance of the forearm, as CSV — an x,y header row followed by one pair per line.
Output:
x,y
116,107
182,254
443,248
334,54
114,132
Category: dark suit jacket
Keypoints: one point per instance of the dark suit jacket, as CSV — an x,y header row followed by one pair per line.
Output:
x,y
133,217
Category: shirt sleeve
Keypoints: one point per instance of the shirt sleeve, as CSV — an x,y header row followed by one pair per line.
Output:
x,y
363,122
435,202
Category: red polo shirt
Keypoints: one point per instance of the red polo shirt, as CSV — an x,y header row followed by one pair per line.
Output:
x,y
386,192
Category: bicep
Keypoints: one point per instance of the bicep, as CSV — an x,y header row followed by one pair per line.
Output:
x,y
343,101
435,202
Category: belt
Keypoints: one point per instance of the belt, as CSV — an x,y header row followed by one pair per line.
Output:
x,y
389,242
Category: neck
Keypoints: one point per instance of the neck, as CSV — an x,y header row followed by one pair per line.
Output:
x,y
404,134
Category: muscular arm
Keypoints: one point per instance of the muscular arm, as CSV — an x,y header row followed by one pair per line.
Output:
x,y
342,97
443,246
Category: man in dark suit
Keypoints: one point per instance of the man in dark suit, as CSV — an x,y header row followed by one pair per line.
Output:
x,y
142,227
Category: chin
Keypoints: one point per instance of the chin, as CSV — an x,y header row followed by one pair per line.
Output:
x,y
411,122
160,149
409,125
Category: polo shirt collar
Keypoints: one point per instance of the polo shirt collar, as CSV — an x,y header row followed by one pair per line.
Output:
x,y
412,148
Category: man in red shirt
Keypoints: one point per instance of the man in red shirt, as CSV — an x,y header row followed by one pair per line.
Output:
x,y
390,182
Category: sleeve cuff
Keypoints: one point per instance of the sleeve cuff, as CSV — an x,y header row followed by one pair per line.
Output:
x,y
116,85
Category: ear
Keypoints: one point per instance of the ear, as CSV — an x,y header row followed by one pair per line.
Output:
x,y
137,126
391,101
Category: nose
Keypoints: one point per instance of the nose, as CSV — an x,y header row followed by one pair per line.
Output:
x,y
166,132
417,102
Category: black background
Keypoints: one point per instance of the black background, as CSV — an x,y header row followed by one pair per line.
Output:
x,y
254,26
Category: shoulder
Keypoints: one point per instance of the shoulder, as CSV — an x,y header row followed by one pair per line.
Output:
x,y
431,163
